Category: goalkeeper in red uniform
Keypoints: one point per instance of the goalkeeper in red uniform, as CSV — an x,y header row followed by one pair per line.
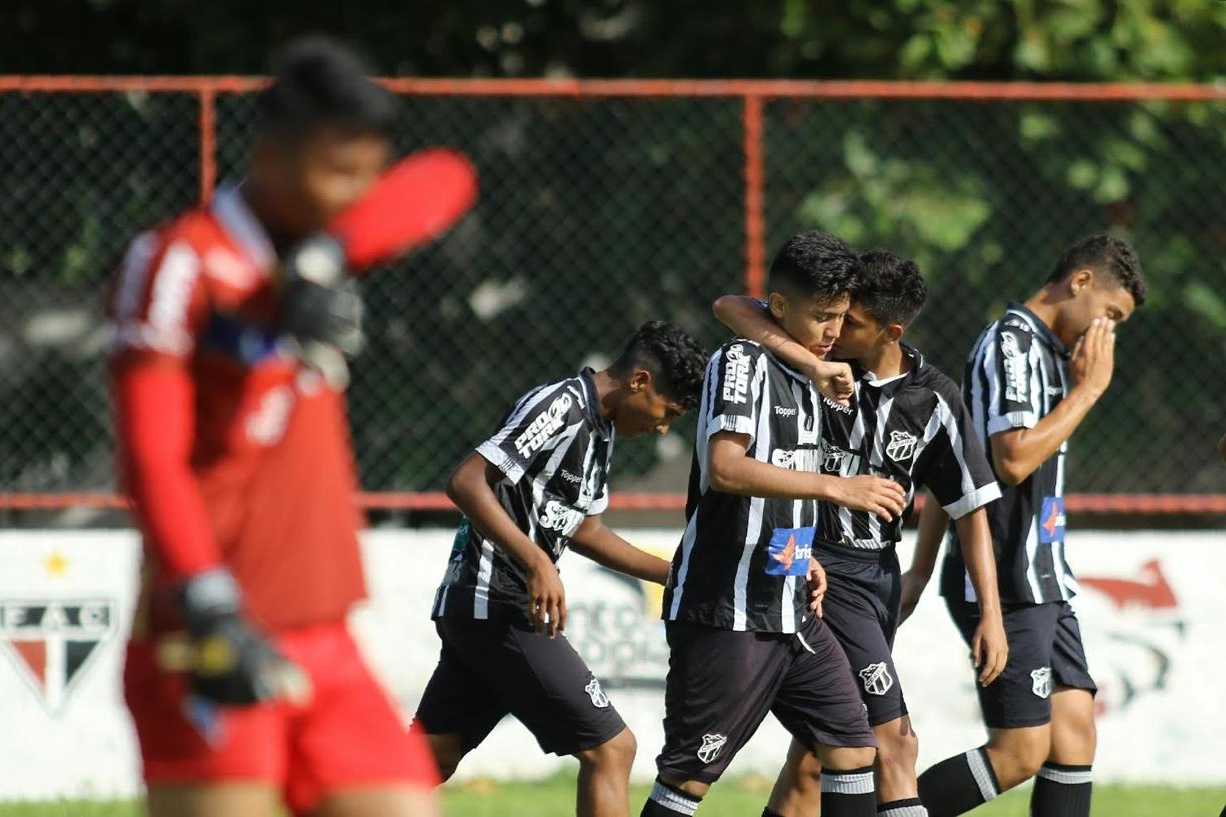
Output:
x,y
237,458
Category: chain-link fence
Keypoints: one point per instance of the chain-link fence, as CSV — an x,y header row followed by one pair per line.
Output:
x,y
606,204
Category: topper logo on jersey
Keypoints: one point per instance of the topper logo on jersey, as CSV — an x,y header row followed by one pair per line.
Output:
x,y
1040,681
877,679
712,745
546,424
593,690
1016,387
51,642
1051,520
901,446
788,552
736,375
557,517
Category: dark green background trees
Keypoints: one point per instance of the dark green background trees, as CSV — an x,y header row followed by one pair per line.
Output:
x,y
597,214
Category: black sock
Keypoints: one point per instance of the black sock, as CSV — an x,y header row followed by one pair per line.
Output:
x,y
848,793
1061,791
911,807
667,801
958,784
767,812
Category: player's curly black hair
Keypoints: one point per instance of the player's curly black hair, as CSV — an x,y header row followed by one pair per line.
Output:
x,y
675,359
318,82
814,264
1106,255
890,287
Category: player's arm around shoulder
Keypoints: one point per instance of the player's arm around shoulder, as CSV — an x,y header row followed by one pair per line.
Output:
x,y
605,547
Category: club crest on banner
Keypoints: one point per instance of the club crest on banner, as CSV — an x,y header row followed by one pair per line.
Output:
x,y
50,642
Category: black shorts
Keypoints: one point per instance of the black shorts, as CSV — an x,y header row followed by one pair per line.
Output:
x,y
489,669
861,608
1045,653
722,683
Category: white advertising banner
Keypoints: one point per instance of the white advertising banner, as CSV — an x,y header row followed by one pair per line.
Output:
x,y
1150,609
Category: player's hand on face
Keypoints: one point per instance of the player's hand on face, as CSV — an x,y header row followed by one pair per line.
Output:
x,y
883,497
834,380
1093,360
546,599
817,586
989,649
913,586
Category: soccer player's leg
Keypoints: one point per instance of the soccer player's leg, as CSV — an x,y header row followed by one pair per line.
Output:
x,y
719,688
460,706
820,704
350,753
1016,709
202,760
1063,786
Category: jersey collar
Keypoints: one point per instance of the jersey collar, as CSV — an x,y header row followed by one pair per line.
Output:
x,y
909,351
230,209
591,404
1039,327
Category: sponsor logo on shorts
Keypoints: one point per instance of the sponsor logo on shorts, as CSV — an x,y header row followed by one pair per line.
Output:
x,y
712,745
788,551
877,679
901,446
736,375
1051,520
593,690
1040,681
546,424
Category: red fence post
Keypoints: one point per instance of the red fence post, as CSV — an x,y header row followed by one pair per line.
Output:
x,y
208,142
755,253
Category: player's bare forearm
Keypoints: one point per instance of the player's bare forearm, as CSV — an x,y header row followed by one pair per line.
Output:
x,y
1019,452
933,523
975,536
604,547
746,317
732,472
470,489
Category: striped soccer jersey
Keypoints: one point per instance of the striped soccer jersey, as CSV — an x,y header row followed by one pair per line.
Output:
x,y
742,561
913,429
553,450
1016,375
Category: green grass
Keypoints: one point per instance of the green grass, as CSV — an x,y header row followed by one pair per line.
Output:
x,y
555,797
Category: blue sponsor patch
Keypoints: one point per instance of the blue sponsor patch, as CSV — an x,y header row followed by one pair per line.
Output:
x,y
789,551
1051,520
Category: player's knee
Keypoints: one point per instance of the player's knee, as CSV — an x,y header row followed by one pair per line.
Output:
x,y
448,752
1022,758
846,758
616,753
899,750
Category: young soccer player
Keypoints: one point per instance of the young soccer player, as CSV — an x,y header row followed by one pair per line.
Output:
x,y
536,487
1030,381
743,638
907,422
238,461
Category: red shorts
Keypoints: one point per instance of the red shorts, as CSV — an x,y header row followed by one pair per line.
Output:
x,y
347,735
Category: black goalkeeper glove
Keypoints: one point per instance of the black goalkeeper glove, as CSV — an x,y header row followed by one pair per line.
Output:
x,y
322,307
229,662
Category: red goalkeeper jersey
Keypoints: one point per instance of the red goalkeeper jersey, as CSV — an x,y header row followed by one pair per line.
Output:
x,y
233,452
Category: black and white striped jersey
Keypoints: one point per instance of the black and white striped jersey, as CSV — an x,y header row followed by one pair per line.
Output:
x,y
913,429
742,562
1016,375
553,450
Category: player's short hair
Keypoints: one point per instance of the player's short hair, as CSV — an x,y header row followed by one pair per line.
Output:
x,y
317,83
890,287
1106,255
675,359
814,264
